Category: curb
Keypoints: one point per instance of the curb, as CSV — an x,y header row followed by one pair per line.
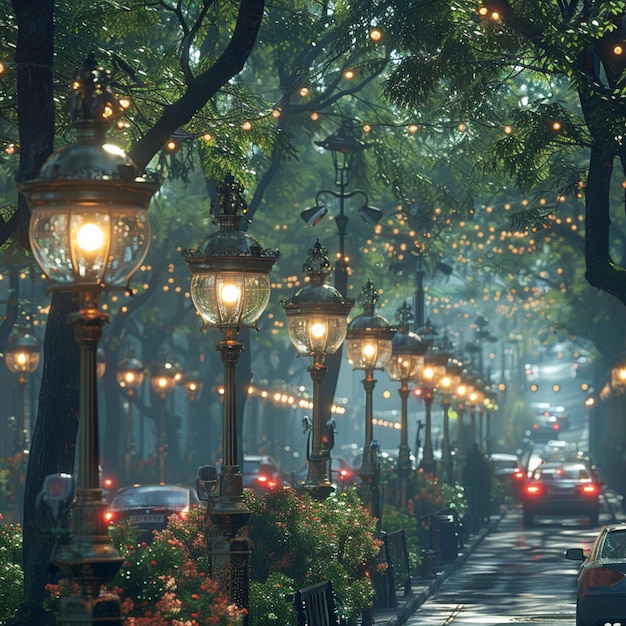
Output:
x,y
410,604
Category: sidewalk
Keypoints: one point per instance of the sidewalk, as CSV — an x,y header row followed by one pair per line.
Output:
x,y
423,588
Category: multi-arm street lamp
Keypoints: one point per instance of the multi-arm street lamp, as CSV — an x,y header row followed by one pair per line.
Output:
x,y
368,342
130,375
89,231
22,357
405,364
162,383
230,288
344,146
317,324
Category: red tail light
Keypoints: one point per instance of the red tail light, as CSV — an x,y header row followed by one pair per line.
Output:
x,y
589,490
262,478
556,426
533,490
518,475
109,517
604,577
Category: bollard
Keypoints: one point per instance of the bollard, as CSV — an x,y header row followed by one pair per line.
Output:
x,y
429,564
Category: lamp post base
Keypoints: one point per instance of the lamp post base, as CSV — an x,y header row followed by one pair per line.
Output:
x,y
105,610
230,568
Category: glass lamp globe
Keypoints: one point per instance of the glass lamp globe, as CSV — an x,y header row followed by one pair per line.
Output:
x,y
130,373
89,224
369,337
407,349
162,380
317,314
230,284
23,352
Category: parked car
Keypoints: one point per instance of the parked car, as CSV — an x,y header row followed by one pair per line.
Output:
x,y
562,489
261,473
508,469
601,585
148,506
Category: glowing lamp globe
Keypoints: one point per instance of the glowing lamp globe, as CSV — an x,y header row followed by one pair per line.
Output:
x,y
22,353
230,284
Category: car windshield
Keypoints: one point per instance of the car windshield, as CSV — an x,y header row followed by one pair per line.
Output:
x,y
566,472
505,463
160,497
614,545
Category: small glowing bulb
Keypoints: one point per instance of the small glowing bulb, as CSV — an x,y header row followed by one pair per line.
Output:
x,y
318,329
124,103
483,11
207,137
556,125
21,359
315,116
618,50
90,237
366,128
508,130
461,127
376,35
413,128
349,74
495,16
230,293
276,113
369,350
304,92
246,125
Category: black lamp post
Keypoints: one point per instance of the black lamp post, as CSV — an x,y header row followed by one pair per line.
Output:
x,y
162,383
22,357
368,347
317,323
89,231
130,375
193,386
448,387
405,364
344,146
230,288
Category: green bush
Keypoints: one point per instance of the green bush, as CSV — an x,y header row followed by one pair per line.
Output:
x,y
310,541
11,573
271,602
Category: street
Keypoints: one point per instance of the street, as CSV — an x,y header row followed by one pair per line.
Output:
x,y
515,576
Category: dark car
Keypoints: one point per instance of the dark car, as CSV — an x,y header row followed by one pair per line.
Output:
x,y
601,587
508,470
148,506
261,473
545,429
562,489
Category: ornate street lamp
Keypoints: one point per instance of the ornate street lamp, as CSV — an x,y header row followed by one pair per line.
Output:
x,y
22,357
368,347
618,372
435,361
89,231
162,382
405,364
130,375
317,324
193,386
448,387
230,288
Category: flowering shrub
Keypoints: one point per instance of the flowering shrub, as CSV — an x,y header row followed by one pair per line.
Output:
x,y
11,574
309,541
163,583
270,602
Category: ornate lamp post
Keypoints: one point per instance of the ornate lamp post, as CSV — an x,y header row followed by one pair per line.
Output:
x,y
89,231
405,364
130,375
230,288
22,358
368,342
317,324
162,382
193,386
433,371
448,386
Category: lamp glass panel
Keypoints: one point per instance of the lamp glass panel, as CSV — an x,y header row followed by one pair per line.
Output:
x,y
317,334
405,366
230,298
368,352
22,361
89,245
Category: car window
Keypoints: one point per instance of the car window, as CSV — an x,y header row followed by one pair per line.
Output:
x,y
156,497
614,546
571,472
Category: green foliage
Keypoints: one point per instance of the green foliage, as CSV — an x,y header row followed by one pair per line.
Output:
x,y
11,574
310,541
271,602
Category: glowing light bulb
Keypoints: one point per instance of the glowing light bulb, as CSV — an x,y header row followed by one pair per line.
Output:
x,y
90,237
230,294
318,330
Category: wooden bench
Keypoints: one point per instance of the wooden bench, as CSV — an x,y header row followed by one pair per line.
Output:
x,y
315,605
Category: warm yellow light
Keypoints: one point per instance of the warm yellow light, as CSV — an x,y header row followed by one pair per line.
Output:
x,y
21,358
556,125
348,74
618,50
230,294
413,128
90,237
508,130
304,92
318,330
369,350
315,116
246,126
376,35
366,128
